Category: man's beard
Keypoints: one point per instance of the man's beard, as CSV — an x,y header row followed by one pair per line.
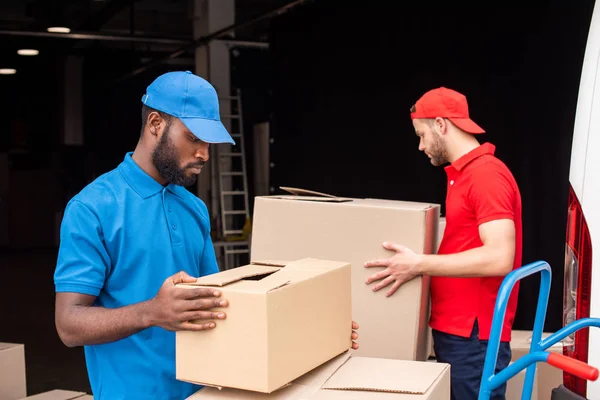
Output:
x,y
439,152
164,158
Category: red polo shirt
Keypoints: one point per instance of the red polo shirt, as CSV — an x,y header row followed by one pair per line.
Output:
x,y
480,189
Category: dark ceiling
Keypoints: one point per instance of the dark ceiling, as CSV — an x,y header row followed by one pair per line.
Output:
x,y
160,27
159,18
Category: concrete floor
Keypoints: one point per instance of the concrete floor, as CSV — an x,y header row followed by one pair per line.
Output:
x,y
27,315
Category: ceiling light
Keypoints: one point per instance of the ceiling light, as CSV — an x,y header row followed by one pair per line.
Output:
x,y
28,52
7,71
59,29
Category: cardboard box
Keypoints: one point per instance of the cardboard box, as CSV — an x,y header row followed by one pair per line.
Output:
x,y
278,327
13,383
58,394
547,377
441,229
353,230
353,377
514,387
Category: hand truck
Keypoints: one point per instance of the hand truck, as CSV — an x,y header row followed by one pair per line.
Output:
x,y
537,353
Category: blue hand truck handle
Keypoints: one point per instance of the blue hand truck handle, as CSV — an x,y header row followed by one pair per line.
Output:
x,y
490,380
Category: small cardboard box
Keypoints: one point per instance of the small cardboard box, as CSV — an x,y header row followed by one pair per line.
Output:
x,y
13,383
349,377
59,394
282,321
547,377
514,387
310,224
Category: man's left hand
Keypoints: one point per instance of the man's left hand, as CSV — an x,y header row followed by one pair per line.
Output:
x,y
354,335
400,268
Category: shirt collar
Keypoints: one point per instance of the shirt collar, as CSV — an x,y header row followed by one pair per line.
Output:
x,y
462,162
142,183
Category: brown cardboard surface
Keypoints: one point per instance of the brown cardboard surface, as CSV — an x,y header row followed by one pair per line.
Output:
x,y
277,328
289,227
302,388
349,377
234,275
400,376
57,394
547,377
13,382
383,379
514,387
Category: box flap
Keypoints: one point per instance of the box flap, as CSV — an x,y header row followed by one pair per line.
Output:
x,y
305,192
233,275
271,263
385,375
260,278
6,346
310,195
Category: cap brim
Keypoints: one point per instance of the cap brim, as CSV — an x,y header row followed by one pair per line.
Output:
x,y
208,130
467,125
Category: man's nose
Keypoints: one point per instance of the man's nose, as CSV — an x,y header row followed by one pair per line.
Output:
x,y
202,152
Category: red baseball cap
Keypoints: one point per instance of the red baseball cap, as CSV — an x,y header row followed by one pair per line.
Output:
x,y
446,103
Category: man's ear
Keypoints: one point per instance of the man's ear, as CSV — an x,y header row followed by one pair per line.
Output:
x,y
154,123
440,126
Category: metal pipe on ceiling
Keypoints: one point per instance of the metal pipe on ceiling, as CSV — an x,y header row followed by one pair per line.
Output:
x,y
244,43
95,36
204,40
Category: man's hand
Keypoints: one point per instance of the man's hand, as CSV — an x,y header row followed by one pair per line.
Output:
x,y
400,268
354,335
174,307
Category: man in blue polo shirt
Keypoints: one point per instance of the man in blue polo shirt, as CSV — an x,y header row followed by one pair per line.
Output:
x,y
130,236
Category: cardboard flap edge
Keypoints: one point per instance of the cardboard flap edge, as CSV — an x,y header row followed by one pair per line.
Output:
x,y
372,389
271,263
357,375
233,275
8,346
304,192
309,195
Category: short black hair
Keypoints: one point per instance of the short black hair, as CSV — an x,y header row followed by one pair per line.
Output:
x,y
147,110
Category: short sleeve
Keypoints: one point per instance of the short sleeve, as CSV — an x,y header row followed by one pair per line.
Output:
x,y
492,194
83,261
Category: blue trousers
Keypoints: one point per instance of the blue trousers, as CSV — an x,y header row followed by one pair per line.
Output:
x,y
466,357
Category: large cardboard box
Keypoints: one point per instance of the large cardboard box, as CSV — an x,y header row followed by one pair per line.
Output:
x,y
514,387
547,377
351,377
278,326
13,383
353,230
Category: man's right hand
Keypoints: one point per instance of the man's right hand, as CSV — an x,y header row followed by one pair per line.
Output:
x,y
175,307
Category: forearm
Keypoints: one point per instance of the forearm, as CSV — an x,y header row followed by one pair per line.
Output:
x,y
478,262
87,325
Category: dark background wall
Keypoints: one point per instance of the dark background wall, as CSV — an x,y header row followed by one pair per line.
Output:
x,y
345,76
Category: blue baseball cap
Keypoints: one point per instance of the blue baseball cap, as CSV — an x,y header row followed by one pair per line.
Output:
x,y
191,99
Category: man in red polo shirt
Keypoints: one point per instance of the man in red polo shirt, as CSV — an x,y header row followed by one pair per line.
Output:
x,y
481,242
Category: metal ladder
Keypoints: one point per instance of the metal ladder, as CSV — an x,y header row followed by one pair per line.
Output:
x,y
233,188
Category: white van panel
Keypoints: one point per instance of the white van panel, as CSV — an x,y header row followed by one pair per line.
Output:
x,y
585,160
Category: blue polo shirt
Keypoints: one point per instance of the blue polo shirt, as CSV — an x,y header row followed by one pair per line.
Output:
x,y
121,237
